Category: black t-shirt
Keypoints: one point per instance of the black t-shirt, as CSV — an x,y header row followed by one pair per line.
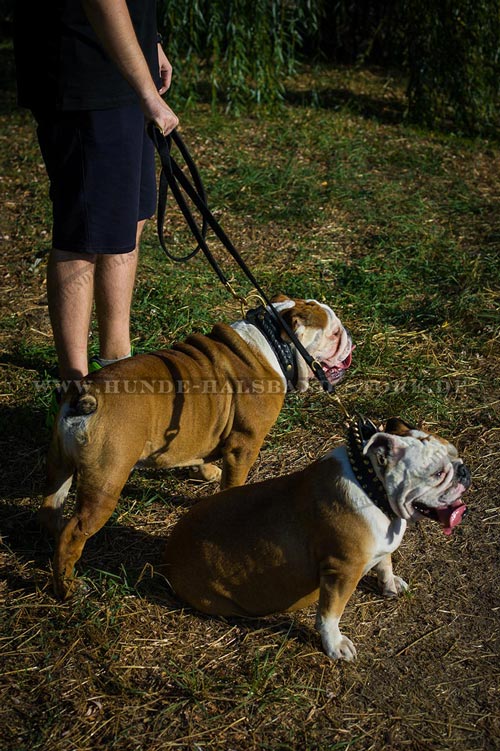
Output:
x,y
61,64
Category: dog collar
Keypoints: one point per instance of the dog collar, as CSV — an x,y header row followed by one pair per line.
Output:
x,y
358,434
270,328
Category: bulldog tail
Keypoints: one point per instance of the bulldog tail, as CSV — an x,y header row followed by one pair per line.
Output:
x,y
81,402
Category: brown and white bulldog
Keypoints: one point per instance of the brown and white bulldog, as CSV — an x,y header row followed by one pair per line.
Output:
x,y
281,544
208,397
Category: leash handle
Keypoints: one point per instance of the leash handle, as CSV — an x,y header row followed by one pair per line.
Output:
x,y
172,176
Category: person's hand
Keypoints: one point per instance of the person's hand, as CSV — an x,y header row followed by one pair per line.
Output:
x,y
165,70
158,112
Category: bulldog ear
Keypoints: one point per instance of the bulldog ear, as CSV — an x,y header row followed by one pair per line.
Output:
x,y
397,426
282,304
306,313
385,447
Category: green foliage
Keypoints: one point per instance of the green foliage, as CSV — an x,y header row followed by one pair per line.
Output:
x,y
454,62
242,48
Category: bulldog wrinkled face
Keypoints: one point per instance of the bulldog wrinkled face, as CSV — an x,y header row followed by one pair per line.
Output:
x,y
334,347
422,476
321,332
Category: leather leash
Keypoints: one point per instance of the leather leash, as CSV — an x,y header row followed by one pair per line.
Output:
x,y
173,177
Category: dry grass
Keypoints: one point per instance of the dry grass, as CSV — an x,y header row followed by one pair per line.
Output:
x,y
123,665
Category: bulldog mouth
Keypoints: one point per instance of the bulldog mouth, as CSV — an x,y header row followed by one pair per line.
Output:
x,y
336,372
448,516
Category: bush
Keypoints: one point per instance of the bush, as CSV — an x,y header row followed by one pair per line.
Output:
x,y
243,48
454,63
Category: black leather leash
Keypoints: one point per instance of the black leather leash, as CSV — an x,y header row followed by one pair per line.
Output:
x,y
173,177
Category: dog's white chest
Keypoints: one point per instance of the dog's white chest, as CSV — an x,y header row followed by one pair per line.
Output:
x,y
387,539
386,533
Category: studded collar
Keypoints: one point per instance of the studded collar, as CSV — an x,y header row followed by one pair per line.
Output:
x,y
270,328
359,432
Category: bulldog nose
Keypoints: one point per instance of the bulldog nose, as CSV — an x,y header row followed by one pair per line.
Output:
x,y
463,475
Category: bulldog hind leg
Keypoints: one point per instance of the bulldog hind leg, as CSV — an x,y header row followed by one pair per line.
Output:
x,y
59,478
96,500
206,473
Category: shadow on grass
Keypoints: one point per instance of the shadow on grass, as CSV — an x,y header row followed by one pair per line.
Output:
x,y
37,360
23,446
388,111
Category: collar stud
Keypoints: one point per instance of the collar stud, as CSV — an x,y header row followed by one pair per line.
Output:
x,y
358,434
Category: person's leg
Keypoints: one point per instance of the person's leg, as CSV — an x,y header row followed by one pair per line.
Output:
x,y
114,285
115,275
70,287
102,184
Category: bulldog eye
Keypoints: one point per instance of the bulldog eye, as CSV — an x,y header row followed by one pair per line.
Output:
x,y
439,474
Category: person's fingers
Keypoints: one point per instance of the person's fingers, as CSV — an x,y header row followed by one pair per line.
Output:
x,y
165,70
166,78
167,122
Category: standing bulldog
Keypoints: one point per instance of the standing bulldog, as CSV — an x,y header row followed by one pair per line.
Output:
x,y
211,396
281,544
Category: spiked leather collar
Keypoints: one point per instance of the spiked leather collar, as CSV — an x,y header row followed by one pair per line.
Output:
x,y
270,328
359,432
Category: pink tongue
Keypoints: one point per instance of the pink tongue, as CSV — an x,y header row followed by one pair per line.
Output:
x,y
347,362
451,516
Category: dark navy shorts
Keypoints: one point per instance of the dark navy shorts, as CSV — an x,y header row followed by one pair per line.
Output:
x,y
101,167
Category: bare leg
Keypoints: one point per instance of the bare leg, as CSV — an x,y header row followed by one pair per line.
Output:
x,y
114,285
72,279
70,288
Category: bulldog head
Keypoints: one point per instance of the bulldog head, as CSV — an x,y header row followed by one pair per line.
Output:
x,y
321,333
422,474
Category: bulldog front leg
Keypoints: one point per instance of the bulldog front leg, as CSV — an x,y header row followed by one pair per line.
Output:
x,y
239,454
337,583
389,584
252,421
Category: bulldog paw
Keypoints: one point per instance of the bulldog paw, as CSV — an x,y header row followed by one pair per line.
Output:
x,y
206,473
394,588
64,588
341,649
